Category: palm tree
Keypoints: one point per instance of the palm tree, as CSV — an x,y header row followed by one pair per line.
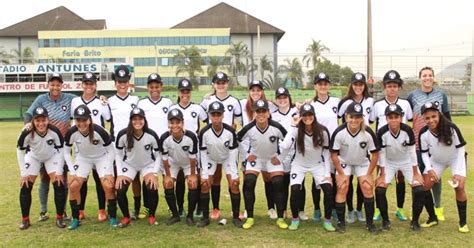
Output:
x,y
189,61
5,58
313,53
293,70
238,55
213,67
26,56
265,65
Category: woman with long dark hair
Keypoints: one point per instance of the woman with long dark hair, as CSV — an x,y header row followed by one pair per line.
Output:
x,y
311,142
92,149
442,145
137,149
42,143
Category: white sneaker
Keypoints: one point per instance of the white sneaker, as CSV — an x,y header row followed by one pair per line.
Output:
x,y
360,216
303,215
272,214
350,217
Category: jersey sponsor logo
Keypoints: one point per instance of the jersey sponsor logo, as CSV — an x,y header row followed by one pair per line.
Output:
x,y
147,147
165,110
230,107
334,109
194,114
95,112
293,176
95,142
64,108
185,148
272,139
226,144
124,170
27,165
50,142
75,167
363,144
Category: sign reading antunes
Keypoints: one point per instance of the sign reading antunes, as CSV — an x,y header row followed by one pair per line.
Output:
x,y
48,68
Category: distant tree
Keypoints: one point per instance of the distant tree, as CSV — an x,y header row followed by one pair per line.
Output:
x,y
5,58
337,74
238,58
293,71
26,56
313,53
189,61
467,75
214,64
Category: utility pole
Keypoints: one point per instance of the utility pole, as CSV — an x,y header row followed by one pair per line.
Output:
x,y
370,65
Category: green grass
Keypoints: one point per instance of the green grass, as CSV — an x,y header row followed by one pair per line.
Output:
x,y
264,233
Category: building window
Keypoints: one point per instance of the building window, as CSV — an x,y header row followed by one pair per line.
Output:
x,y
214,40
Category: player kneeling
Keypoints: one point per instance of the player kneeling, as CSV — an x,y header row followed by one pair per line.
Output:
x,y
43,143
179,149
350,145
442,145
93,148
398,153
312,156
137,151
218,146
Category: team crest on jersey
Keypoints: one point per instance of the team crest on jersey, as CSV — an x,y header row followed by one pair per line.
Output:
x,y
367,110
334,109
64,108
272,139
449,142
230,107
209,165
405,143
95,112
124,170
133,105
165,110
27,165
76,167
194,114
363,144
50,142
95,142
226,144
185,148
293,176
253,163
147,147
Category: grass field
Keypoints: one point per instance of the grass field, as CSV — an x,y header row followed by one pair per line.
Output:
x,y
265,232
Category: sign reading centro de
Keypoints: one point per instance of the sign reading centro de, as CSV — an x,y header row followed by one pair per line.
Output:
x,y
48,68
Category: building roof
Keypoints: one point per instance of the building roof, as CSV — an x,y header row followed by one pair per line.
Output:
x,y
59,18
225,16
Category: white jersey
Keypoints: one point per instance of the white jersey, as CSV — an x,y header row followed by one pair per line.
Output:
x,y
377,114
440,153
313,156
156,113
367,104
95,149
193,114
231,104
99,111
120,111
218,147
326,113
40,147
179,152
285,119
144,152
263,143
353,149
397,149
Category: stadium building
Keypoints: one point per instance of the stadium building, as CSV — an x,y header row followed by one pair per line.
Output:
x,y
61,37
